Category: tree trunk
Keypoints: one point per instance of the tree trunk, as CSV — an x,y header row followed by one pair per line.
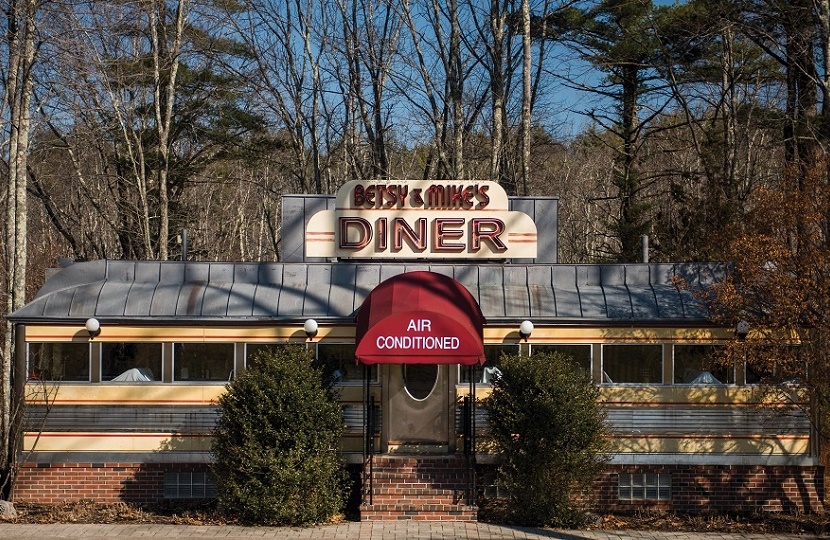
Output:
x,y
497,21
18,99
626,175
456,85
802,96
527,67
166,66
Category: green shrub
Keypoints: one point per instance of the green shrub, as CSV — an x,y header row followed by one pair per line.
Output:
x,y
275,446
548,426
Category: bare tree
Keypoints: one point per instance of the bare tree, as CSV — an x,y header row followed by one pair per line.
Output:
x,y
21,30
527,67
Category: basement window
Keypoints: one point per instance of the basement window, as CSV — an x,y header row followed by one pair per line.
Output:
x,y
189,485
644,487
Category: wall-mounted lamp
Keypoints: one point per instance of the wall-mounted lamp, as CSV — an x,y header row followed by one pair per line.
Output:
x,y
310,328
741,330
93,327
525,329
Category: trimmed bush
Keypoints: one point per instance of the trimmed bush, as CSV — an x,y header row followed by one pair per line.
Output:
x,y
548,426
275,446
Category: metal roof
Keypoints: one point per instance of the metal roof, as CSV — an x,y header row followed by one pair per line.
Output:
x,y
221,292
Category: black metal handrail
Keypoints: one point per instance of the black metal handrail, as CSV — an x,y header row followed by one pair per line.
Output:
x,y
369,437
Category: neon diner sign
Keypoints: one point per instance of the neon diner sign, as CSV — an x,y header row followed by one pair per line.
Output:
x,y
421,219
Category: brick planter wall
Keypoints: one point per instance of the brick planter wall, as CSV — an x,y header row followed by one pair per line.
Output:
x,y
97,482
722,488
699,489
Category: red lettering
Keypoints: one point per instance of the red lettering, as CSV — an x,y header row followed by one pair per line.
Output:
x,y
402,231
435,196
359,228
488,229
457,198
417,199
483,197
444,229
358,195
469,193
380,224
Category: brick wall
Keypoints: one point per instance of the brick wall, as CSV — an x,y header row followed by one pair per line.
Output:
x,y
701,489
98,482
722,488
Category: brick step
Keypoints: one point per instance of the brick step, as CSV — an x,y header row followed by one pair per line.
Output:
x,y
422,472
418,488
422,481
442,501
421,498
415,492
421,461
418,512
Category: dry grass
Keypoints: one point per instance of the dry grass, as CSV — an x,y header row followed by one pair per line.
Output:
x,y
89,512
754,523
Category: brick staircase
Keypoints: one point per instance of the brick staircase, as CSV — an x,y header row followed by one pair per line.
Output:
x,y
425,488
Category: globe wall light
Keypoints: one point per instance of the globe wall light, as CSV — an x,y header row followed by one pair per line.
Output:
x,y
525,329
93,327
310,328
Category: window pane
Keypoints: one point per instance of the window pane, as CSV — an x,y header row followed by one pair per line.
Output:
x,y
337,361
775,364
130,362
581,354
492,353
203,361
695,364
641,364
252,350
59,362
648,486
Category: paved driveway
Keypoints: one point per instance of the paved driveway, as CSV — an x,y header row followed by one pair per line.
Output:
x,y
358,531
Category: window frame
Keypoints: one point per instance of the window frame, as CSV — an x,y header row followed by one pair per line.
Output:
x,y
190,381
659,380
29,378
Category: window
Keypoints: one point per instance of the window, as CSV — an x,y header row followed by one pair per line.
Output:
x,y
493,355
775,364
130,362
67,362
189,485
203,361
697,364
644,487
252,350
337,361
580,354
638,364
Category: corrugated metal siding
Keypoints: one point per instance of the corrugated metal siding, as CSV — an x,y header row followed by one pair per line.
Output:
x,y
705,421
121,418
147,419
688,421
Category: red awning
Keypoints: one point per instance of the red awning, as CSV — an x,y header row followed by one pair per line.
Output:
x,y
420,318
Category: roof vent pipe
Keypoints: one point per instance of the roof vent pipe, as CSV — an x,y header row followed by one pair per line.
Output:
x,y
644,248
184,244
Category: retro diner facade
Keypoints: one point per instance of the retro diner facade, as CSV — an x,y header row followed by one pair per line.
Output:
x,y
416,281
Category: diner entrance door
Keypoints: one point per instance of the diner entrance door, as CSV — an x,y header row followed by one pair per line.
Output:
x,y
419,412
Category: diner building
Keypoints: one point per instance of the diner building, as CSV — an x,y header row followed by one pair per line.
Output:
x,y
407,293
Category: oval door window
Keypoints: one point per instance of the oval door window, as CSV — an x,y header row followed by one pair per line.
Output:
x,y
420,379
